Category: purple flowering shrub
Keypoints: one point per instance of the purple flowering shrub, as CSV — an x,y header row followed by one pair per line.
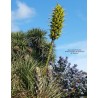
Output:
x,y
72,80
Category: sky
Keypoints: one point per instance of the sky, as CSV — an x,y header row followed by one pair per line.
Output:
x,y
28,14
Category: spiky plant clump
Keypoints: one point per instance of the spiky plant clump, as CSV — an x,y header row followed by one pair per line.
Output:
x,y
47,86
57,22
28,81
32,43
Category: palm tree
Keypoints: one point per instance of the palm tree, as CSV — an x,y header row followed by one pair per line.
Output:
x,y
37,41
31,43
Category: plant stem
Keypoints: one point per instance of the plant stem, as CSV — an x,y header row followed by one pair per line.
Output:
x,y
50,51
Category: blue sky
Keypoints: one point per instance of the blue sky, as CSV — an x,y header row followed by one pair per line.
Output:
x,y
28,14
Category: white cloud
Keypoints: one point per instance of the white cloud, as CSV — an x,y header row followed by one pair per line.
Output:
x,y
23,12
80,59
75,45
14,27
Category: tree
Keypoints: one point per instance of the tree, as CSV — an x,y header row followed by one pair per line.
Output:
x,y
32,43
38,42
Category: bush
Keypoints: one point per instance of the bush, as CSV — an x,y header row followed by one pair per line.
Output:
x,y
73,80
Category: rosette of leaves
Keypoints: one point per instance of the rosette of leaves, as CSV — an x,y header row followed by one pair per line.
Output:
x,y
27,81
57,22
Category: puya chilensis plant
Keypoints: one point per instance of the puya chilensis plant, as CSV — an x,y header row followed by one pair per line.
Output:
x,y
56,25
46,89
28,81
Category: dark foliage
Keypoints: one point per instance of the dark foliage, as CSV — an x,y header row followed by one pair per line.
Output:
x,y
31,43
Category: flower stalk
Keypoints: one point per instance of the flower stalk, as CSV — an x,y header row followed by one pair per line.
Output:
x,y
56,25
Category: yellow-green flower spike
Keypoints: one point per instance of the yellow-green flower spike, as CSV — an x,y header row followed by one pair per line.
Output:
x,y
56,22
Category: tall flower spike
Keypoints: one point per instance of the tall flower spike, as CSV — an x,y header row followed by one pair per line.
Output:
x,y
56,27
56,22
